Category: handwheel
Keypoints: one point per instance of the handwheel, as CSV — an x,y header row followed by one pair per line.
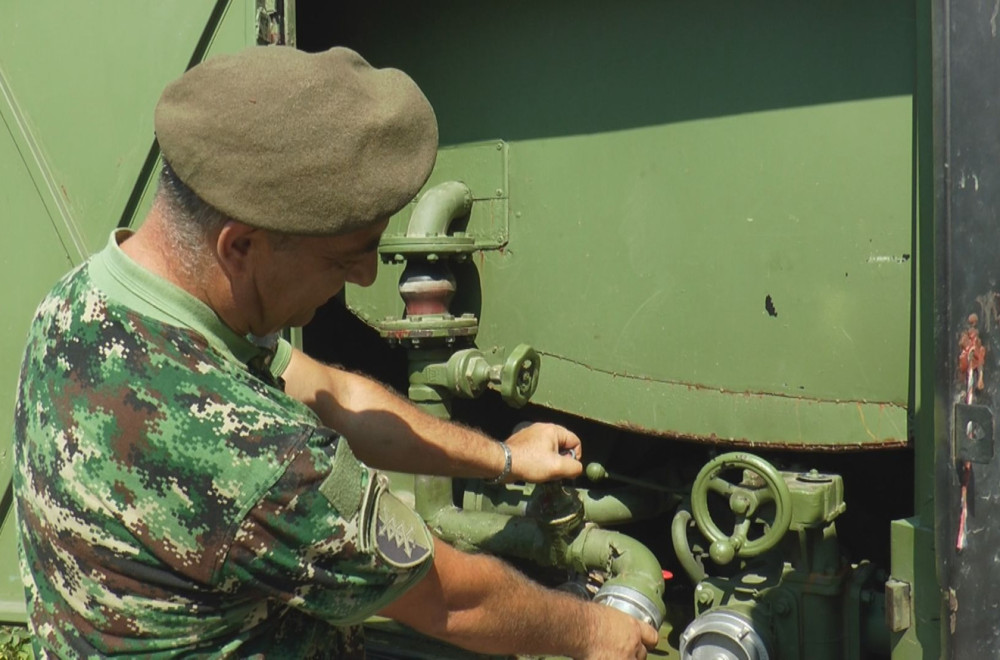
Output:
x,y
519,376
745,499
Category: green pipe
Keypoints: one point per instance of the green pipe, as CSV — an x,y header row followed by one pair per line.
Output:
x,y
430,493
630,563
602,508
632,566
682,546
437,208
494,533
636,585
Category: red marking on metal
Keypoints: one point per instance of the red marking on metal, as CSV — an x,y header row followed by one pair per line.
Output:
x,y
966,474
972,353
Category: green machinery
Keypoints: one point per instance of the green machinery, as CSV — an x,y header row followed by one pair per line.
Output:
x,y
743,249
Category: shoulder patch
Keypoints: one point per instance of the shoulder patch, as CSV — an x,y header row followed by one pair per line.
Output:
x,y
401,537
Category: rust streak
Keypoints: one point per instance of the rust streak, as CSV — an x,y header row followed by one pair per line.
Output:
x,y
713,439
720,390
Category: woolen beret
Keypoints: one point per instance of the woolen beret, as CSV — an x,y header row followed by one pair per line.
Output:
x,y
300,143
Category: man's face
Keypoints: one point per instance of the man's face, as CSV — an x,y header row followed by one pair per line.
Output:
x,y
303,273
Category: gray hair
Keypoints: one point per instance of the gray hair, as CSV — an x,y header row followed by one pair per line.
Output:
x,y
190,221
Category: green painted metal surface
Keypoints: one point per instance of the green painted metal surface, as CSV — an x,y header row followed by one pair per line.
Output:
x,y
27,281
708,217
78,83
710,226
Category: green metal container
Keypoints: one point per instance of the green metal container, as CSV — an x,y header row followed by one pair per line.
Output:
x,y
720,224
78,83
704,227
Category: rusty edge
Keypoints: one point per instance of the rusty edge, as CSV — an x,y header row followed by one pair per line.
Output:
x,y
743,443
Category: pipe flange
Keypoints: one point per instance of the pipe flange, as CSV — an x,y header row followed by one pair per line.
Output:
x,y
429,327
722,635
631,602
400,248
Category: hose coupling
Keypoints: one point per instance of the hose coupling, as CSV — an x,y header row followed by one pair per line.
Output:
x,y
631,602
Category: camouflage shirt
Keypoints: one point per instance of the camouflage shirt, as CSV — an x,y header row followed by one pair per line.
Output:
x,y
173,501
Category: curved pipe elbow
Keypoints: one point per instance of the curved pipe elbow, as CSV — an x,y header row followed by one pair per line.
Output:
x,y
437,208
630,563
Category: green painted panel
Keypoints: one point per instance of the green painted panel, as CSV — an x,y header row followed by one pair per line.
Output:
x,y
27,231
701,215
661,265
104,65
77,90
11,590
752,420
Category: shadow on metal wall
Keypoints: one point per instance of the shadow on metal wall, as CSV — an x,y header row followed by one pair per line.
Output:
x,y
522,69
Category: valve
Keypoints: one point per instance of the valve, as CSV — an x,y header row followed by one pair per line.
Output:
x,y
468,374
761,484
519,376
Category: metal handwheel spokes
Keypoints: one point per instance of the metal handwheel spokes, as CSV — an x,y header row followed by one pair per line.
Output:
x,y
721,486
762,485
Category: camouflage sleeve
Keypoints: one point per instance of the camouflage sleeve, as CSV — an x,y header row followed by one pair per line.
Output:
x,y
329,538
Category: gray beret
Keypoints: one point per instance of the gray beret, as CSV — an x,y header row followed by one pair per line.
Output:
x,y
297,142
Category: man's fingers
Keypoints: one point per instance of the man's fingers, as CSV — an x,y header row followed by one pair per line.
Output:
x,y
649,635
572,468
569,441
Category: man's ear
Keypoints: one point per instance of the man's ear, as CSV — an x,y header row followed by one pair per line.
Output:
x,y
238,245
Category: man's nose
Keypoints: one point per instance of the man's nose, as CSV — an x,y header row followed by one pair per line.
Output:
x,y
363,272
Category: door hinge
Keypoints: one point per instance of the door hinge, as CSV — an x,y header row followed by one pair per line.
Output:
x,y
275,22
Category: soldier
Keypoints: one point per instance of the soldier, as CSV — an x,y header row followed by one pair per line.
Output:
x,y
186,482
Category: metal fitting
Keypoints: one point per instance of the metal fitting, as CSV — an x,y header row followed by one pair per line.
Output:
x,y
722,635
630,602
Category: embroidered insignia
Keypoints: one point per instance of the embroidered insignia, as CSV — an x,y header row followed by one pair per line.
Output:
x,y
401,537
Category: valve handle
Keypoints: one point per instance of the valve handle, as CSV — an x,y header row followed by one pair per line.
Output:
x,y
519,375
744,502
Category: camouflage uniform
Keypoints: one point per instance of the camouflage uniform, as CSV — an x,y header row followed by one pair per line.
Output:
x,y
173,501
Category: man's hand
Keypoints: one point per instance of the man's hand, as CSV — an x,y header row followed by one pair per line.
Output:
x,y
544,452
614,634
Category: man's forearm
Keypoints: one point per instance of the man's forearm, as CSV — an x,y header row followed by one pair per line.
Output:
x,y
388,432
481,604
515,615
